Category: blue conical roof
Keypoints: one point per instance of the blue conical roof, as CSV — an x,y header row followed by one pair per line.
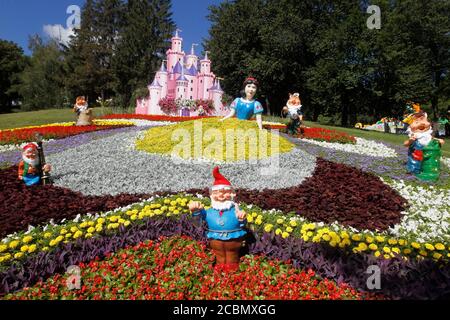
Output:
x,y
178,68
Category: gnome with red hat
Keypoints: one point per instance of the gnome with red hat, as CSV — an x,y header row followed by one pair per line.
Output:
x,y
29,165
225,223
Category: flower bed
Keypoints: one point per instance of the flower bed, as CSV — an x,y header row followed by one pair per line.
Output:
x,y
17,136
327,135
152,117
180,268
235,133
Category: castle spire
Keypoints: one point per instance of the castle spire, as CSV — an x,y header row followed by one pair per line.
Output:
x,y
163,67
192,48
176,33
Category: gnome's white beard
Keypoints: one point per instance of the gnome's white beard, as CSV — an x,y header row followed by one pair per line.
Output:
x,y
222,205
31,162
424,138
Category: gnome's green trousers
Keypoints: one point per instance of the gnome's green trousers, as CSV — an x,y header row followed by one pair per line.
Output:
x,y
431,162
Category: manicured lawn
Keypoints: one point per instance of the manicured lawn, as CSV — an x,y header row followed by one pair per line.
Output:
x,y
32,118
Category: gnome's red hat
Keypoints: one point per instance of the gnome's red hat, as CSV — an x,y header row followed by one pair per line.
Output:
x,y
31,145
220,182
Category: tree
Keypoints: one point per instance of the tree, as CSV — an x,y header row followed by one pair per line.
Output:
x,y
12,62
144,39
42,81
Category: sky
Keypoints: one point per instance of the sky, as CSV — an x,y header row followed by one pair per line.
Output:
x,y
21,18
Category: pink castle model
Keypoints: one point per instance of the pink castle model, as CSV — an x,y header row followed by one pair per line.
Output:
x,y
182,80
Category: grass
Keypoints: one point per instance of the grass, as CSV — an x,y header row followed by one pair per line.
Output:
x,y
35,118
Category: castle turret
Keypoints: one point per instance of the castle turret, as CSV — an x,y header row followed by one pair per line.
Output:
x,y
205,77
176,53
216,94
181,87
192,59
162,77
154,90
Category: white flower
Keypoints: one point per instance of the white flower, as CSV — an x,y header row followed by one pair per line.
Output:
x,y
362,146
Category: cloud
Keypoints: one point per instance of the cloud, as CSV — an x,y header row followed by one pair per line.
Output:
x,y
59,33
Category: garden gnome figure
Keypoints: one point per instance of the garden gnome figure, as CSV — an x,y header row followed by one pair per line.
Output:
x,y
293,110
29,166
225,223
84,113
424,151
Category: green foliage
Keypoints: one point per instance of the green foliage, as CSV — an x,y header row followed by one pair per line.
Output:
x,y
42,81
12,62
324,50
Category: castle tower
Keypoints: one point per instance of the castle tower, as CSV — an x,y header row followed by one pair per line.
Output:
x,y
216,93
192,59
181,88
155,95
206,78
176,53
162,77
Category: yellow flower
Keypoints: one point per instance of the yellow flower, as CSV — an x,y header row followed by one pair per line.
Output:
x,y
423,253
68,235
24,248
326,237
3,248
309,234
113,219
293,223
47,235
45,248
27,239
285,235
166,201
415,245
369,239
157,212
249,219
53,243
437,255
402,242
377,254
373,247
438,246
98,228
32,248
7,257
126,223
393,242
407,251
73,229
59,238
356,237
280,221
429,246
345,242
91,230
254,214
176,211
83,224
278,231
133,217
63,231
18,255
396,250
379,238
386,249
258,221
13,244
268,227
289,229
333,243
77,234
90,223
344,235
88,235
100,220
173,203
362,246
386,256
